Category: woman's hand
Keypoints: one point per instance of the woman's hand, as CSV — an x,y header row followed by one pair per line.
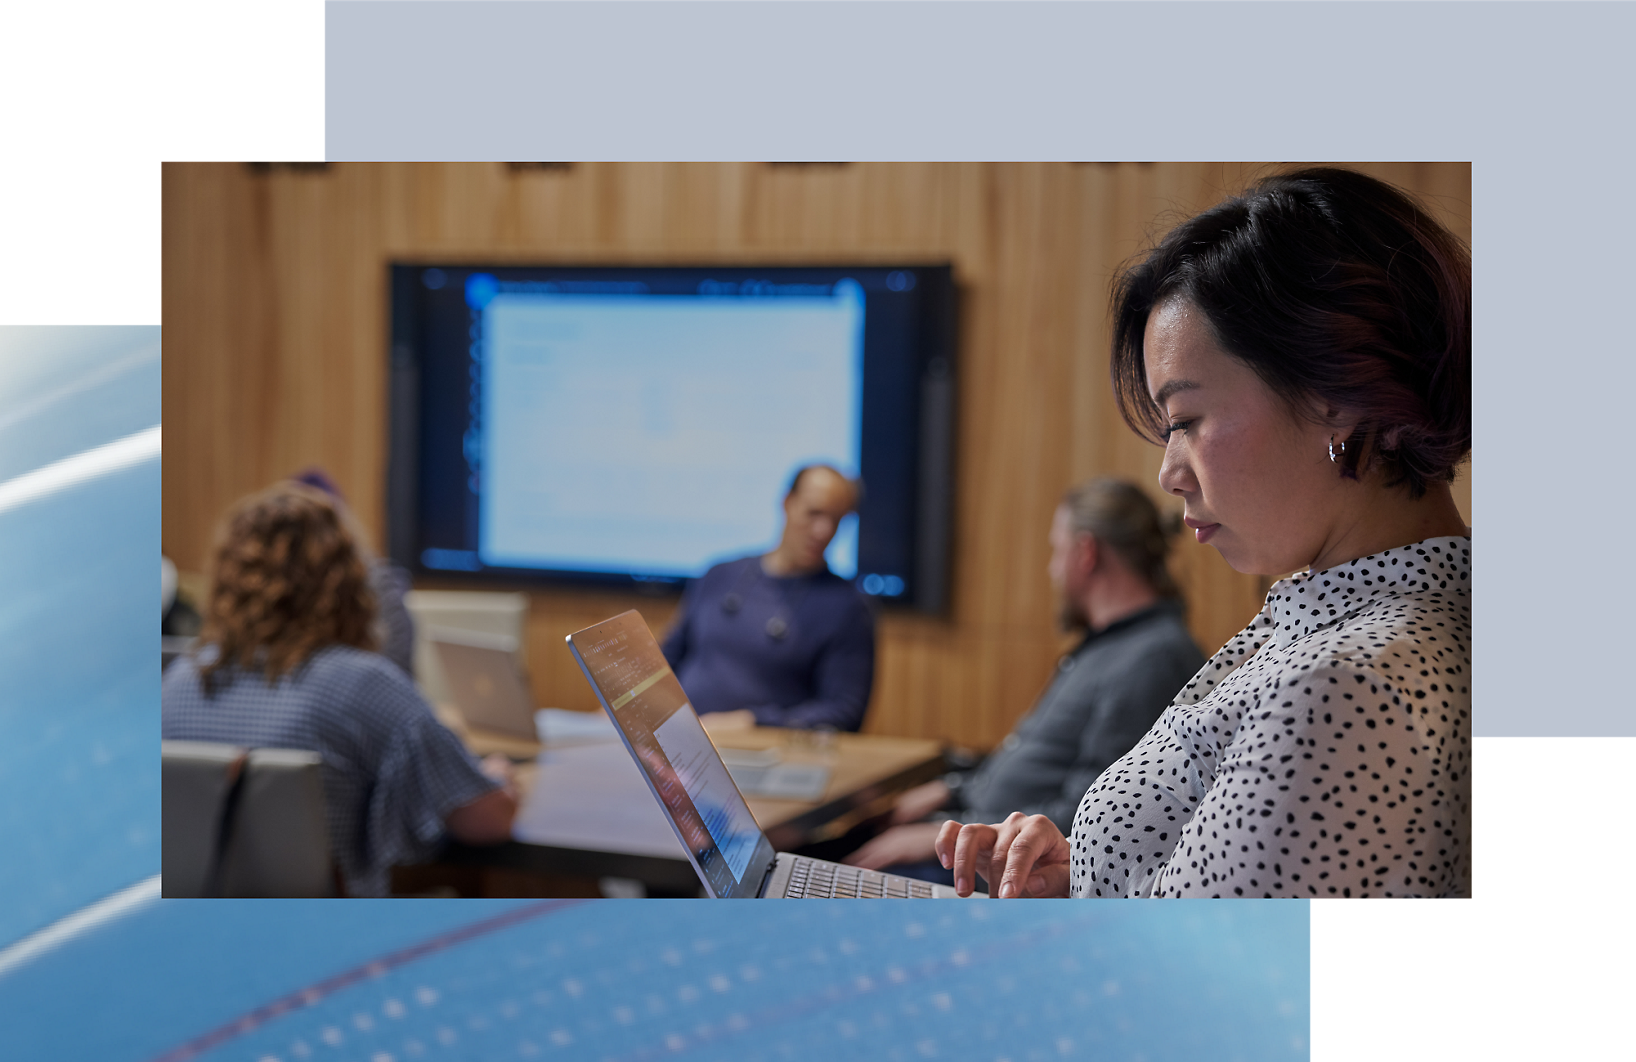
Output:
x,y
1026,855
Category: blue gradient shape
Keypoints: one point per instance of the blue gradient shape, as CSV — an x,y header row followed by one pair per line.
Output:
x,y
79,614
676,979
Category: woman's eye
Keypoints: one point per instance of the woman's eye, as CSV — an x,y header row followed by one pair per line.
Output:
x,y
1180,425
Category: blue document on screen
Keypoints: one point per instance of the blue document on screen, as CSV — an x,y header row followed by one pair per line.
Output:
x,y
652,433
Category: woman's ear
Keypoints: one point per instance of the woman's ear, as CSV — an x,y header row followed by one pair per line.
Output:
x,y
1347,443
1339,423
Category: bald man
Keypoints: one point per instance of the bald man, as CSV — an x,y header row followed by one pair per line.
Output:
x,y
779,637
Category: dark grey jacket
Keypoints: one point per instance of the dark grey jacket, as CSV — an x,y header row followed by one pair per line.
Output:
x,y
1106,694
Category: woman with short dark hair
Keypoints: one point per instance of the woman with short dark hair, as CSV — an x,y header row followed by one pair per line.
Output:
x,y
286,660
1303,353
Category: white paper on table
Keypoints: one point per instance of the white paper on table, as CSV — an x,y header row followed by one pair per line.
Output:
x,y
781,781
557,726
592,796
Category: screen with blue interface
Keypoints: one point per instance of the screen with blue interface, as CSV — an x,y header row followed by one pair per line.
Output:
x,y
650,433
639,425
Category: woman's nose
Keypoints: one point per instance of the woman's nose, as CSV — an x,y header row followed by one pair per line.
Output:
x,y
1175,477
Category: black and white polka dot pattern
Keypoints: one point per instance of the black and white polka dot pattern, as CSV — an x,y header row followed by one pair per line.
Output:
x,y
1324,751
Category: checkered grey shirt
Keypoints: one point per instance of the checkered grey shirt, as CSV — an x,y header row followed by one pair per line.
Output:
x,y
394,627
392,772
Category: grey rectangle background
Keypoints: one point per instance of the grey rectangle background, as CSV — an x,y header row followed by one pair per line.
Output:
x,y
1536,95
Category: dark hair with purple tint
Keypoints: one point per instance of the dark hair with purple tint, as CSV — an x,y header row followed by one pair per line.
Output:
x,y
1334,288
318,479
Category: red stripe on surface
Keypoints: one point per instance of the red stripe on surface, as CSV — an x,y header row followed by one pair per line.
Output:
x,y
306,997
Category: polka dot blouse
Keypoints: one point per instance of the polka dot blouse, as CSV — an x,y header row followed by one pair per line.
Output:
x,y
1324,751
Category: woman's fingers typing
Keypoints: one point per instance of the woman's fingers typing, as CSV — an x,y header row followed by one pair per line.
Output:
x,y
963,848
1022,856
972,849
944,845
1002,857
1036,859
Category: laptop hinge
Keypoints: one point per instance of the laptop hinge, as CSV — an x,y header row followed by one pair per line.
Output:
x,y
767,876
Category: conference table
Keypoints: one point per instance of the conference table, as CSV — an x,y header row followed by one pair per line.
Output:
x,y
588,814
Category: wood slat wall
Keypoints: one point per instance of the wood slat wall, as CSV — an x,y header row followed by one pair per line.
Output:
x,y
275,333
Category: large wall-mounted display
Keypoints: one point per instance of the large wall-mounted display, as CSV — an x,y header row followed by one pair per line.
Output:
x,y
629,426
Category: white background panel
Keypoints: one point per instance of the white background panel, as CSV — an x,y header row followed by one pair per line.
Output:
x,y
98,94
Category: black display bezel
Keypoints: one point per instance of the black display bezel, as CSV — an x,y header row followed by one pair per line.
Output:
x,y
906,516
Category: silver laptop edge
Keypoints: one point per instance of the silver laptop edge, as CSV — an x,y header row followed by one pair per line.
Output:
x,y
692,856
776,867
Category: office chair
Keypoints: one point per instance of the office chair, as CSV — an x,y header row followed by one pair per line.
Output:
x,y
279,841
197,780
243,823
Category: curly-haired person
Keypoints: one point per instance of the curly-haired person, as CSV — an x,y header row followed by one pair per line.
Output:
x,y
286,660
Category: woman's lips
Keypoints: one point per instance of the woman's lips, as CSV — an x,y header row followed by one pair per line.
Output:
x,y
1202,531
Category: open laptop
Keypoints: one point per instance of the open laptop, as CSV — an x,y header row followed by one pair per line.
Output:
x,y
480,671
733,858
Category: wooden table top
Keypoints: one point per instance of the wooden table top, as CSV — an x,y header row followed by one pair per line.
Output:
x,y
592,796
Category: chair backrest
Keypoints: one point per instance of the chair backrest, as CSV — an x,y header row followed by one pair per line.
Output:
x,y
279,841
197,779
171,647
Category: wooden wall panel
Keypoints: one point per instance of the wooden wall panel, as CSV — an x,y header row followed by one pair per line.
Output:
x,y
275,352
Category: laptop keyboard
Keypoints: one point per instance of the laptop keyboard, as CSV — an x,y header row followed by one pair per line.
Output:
x,y
813,879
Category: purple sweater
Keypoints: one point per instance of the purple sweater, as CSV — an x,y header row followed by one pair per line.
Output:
x,y
817,675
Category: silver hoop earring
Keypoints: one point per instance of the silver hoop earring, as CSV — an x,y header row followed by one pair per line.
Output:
x,y
1336,455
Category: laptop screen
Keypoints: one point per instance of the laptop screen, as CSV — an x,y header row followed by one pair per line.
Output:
x,y
637,688
480,673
